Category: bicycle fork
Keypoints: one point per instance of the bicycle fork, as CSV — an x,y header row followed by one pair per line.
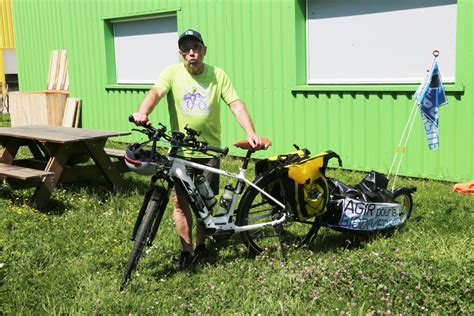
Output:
x,y
161,196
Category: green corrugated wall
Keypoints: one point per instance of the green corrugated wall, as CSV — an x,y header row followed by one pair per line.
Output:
x,y
260,44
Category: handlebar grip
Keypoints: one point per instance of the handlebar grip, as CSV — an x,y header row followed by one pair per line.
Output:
x,y
223,151
131,119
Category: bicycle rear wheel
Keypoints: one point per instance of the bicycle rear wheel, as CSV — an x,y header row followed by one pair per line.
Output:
x,y
256,208
403,196
153,216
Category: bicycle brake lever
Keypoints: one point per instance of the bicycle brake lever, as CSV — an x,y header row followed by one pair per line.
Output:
x,y
191,132
163,127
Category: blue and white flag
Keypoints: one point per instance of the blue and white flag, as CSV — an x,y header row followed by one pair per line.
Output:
x,y
430,96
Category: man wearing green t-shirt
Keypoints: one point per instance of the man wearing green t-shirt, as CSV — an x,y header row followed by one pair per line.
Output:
x,y
194,90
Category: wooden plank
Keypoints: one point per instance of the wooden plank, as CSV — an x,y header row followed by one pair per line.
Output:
x,y
35,150
55,165
30,108
103,162
115,153
20,110
78,114
69,117
66,81
9,151
17,184
58,76
38,164
57,134
53,69
87,172
53,92
54,104
61,71
22,173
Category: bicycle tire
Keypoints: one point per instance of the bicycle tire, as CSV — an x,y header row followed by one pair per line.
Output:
x,y
403,196
256,207
153,212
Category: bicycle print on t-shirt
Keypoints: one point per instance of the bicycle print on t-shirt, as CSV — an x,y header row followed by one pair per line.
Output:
x,y
195,101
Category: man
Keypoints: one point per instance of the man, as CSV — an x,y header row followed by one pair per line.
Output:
x,y
194,90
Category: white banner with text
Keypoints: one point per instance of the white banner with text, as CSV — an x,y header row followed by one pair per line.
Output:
x,y
367,216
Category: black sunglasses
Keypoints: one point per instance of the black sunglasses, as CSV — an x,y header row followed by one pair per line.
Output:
x,y
187,48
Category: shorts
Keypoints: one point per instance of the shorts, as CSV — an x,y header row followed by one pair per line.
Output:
x,y
212,178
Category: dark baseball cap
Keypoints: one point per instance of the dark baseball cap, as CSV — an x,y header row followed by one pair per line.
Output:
x,y
190,33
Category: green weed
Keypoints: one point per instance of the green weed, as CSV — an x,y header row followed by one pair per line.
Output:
x,y
69,258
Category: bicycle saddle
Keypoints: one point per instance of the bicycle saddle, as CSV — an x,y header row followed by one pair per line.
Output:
x,y
244,144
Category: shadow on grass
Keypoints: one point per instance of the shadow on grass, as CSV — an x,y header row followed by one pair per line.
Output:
x,y
23,197
100,186
327,241
332,241
212,258
95,189
98,189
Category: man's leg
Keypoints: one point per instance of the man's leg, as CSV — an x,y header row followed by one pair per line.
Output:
x,y
184,224
183,221
183,218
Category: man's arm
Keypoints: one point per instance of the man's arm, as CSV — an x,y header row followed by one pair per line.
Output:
x,y
147,105
240,111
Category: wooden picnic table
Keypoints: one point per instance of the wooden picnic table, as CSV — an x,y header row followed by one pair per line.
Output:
x,y
58,156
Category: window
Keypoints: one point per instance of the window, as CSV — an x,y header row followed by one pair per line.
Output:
x,y
139,48
373,41
9,61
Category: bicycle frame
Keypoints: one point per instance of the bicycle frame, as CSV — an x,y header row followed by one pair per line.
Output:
x,y
171,170
225,221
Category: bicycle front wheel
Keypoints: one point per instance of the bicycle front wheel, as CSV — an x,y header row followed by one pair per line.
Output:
x,y
256,208
154,213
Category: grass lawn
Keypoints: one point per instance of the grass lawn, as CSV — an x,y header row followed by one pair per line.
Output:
x,y
69,259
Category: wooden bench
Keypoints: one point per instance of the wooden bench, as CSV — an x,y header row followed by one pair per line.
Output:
x,y
118,154
21,173
19,177
115,153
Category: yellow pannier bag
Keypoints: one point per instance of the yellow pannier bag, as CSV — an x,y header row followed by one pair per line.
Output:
x,y
304,184
281,160
310,189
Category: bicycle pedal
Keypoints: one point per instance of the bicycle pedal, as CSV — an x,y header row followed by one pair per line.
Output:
x,y
279,229
221,235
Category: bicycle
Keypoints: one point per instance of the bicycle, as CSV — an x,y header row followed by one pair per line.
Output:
x,y
264,220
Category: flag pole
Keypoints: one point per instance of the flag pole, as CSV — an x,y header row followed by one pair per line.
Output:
x,y
410,122
397,151
404,147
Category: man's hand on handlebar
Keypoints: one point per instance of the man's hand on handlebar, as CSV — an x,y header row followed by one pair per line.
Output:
x,y
141,119
175,138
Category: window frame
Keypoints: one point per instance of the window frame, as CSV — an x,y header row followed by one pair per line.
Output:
x,y
109,45
301,51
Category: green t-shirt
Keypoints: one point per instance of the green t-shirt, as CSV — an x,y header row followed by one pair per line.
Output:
x,y
195,100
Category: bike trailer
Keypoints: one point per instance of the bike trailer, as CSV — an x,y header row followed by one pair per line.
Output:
x,y
365,207
303,179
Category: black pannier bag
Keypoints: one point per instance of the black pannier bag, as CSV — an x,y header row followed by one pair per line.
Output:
x,y
366,199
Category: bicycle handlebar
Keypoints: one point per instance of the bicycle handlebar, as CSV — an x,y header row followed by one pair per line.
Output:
x,y
223,151
178,139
